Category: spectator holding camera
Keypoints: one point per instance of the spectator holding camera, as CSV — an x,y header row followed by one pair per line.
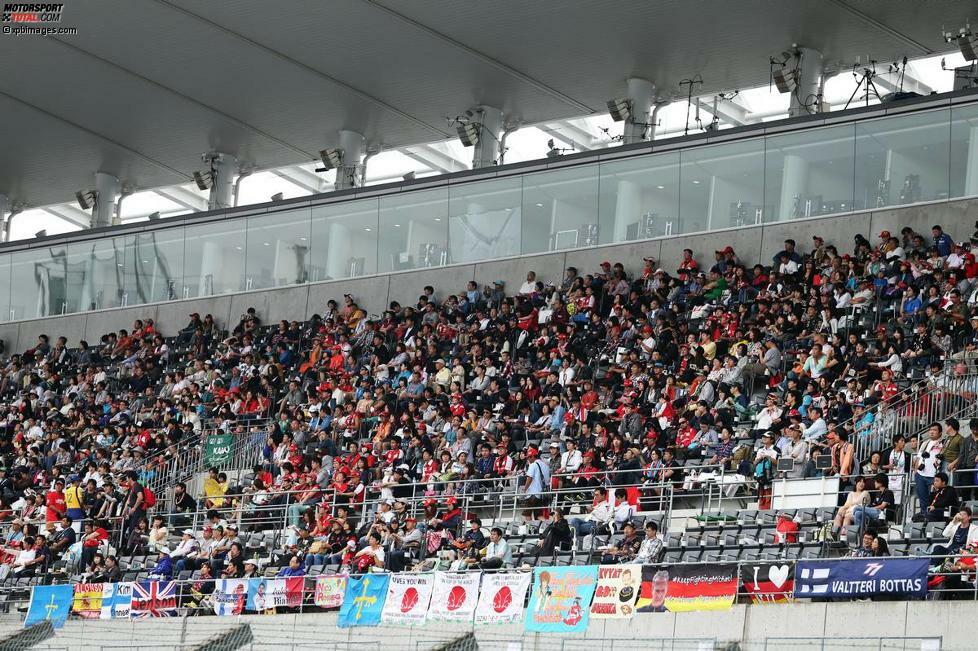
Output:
x,y
926,465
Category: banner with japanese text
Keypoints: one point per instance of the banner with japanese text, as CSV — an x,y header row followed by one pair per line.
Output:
x,y
616,592
408,598
561,599
502,598
454,596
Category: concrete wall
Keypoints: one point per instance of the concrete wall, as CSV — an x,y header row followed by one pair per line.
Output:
x,y
749,625
753,244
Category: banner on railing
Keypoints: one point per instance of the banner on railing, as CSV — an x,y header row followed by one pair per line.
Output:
x,y
768,582
683,588
502,597
50,603
861,577
230,596
616,592
408,598
154,599
363,601
217,449
561,599
454,596
329,591
102,600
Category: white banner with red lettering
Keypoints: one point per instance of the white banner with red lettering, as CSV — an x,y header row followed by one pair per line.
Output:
x,y
408,596
617,589
454,596
502,597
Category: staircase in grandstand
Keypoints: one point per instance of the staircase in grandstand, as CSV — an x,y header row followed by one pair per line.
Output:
x,y
947,394
166,468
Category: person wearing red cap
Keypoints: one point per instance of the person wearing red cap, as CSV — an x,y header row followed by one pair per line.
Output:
x,y
536,482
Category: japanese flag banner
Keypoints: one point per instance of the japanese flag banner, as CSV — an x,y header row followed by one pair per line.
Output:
x,y
408,597
454,596
502,598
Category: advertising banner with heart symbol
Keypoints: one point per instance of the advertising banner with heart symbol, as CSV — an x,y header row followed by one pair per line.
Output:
x,y
768,583
408,597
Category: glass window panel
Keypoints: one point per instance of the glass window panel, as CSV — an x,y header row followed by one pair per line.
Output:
x,y
964,151
809,173
5,288
902,159
484,219
413,230
639,198
721,186
560,209
344,239
95,274
38,283
154,266
278,249
214,259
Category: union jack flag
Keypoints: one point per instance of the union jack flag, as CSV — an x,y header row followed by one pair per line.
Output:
x,y
154,599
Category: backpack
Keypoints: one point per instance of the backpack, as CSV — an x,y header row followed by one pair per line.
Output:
x,y
149,499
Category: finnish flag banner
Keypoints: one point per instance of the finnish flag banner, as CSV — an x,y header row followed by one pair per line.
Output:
x,y
861,577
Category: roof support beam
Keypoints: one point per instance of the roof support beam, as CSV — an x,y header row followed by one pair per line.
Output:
x,y
70,214
891,83
727,111
315,71
485,58
577,137
299,177
183,197
886,29
430,156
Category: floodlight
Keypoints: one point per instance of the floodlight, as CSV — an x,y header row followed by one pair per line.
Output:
x,y
41,233
786,80
278,196
620,109
153,216
469,133
332,158
410,176
204,180
968,44
86,198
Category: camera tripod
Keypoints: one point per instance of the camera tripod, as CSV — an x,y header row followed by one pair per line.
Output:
x,y
865,79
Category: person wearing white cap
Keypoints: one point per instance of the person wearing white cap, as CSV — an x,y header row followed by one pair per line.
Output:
x,y
186,550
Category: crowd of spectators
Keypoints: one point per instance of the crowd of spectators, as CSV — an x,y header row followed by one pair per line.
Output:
x,y
604,383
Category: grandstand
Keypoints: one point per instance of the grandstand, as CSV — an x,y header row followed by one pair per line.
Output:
x,y
714,389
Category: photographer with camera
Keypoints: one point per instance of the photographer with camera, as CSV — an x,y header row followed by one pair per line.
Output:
x,y
926,465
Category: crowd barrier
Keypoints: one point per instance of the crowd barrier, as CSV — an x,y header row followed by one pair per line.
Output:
x,y
544,599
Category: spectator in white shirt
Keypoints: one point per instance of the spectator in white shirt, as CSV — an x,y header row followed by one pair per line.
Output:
x,y
530,285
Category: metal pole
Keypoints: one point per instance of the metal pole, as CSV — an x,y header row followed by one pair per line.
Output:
x,y
107,188
641,92
224,166
487,150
